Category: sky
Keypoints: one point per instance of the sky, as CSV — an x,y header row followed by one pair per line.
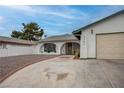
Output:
x,y
55,20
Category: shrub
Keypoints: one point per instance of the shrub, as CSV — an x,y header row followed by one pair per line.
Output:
x,y
77,55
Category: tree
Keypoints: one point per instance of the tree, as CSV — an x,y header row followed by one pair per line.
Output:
x,y
30,31
16,34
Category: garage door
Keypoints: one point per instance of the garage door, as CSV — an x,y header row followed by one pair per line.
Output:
x,y
110,46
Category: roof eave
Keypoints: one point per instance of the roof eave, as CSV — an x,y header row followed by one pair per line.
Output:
x,y
58,40
77,33
79,30
17,43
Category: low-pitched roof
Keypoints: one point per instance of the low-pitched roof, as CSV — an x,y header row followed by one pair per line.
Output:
x,y
79,30
16,41
65,37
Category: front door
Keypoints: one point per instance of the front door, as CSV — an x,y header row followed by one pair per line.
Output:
x,y
69,48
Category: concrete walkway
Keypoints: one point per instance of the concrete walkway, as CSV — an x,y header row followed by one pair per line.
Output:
x,y
63,71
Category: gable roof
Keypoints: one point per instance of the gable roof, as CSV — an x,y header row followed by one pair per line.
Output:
x,y
65,37
108,17
16,41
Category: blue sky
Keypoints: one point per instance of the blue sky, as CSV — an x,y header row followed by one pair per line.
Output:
x,y
53,19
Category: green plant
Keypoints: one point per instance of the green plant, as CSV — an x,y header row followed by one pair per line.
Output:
x,y
77,55
30,31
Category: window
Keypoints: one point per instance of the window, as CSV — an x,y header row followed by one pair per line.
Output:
x,y
49,47
3,46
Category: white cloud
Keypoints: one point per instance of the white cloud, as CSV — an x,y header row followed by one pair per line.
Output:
x,y
1,18
59,11
66,12
53,24
59,14
21,7
24,9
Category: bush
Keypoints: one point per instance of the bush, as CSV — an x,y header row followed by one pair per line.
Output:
x,y
77,55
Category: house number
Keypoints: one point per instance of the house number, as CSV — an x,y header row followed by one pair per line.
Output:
x,y
84,40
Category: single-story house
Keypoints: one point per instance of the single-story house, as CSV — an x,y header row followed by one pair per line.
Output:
x,y
13,47
66,44
103,39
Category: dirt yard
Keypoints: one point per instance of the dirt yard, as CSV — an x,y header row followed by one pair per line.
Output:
x,y
9,65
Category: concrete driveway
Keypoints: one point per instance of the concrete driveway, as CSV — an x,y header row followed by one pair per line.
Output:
x,y
64,71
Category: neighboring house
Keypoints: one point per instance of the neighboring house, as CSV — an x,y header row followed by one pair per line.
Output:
x,y
103,39
12,47
66,44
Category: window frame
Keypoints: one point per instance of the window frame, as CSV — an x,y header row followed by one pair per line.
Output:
x,y
49,47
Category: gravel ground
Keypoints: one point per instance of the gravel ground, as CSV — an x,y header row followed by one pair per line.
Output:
x,y
9,65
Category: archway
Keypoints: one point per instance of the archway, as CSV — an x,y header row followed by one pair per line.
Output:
x,y
70,48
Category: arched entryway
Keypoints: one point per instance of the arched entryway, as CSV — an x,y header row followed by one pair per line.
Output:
x,y
70,48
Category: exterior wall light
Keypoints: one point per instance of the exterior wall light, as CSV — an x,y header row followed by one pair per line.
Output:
x,y
91,31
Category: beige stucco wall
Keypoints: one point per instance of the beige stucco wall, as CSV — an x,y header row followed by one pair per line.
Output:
x,y
88,40
15,49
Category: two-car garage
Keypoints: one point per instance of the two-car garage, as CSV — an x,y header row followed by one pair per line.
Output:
x,y
110,46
